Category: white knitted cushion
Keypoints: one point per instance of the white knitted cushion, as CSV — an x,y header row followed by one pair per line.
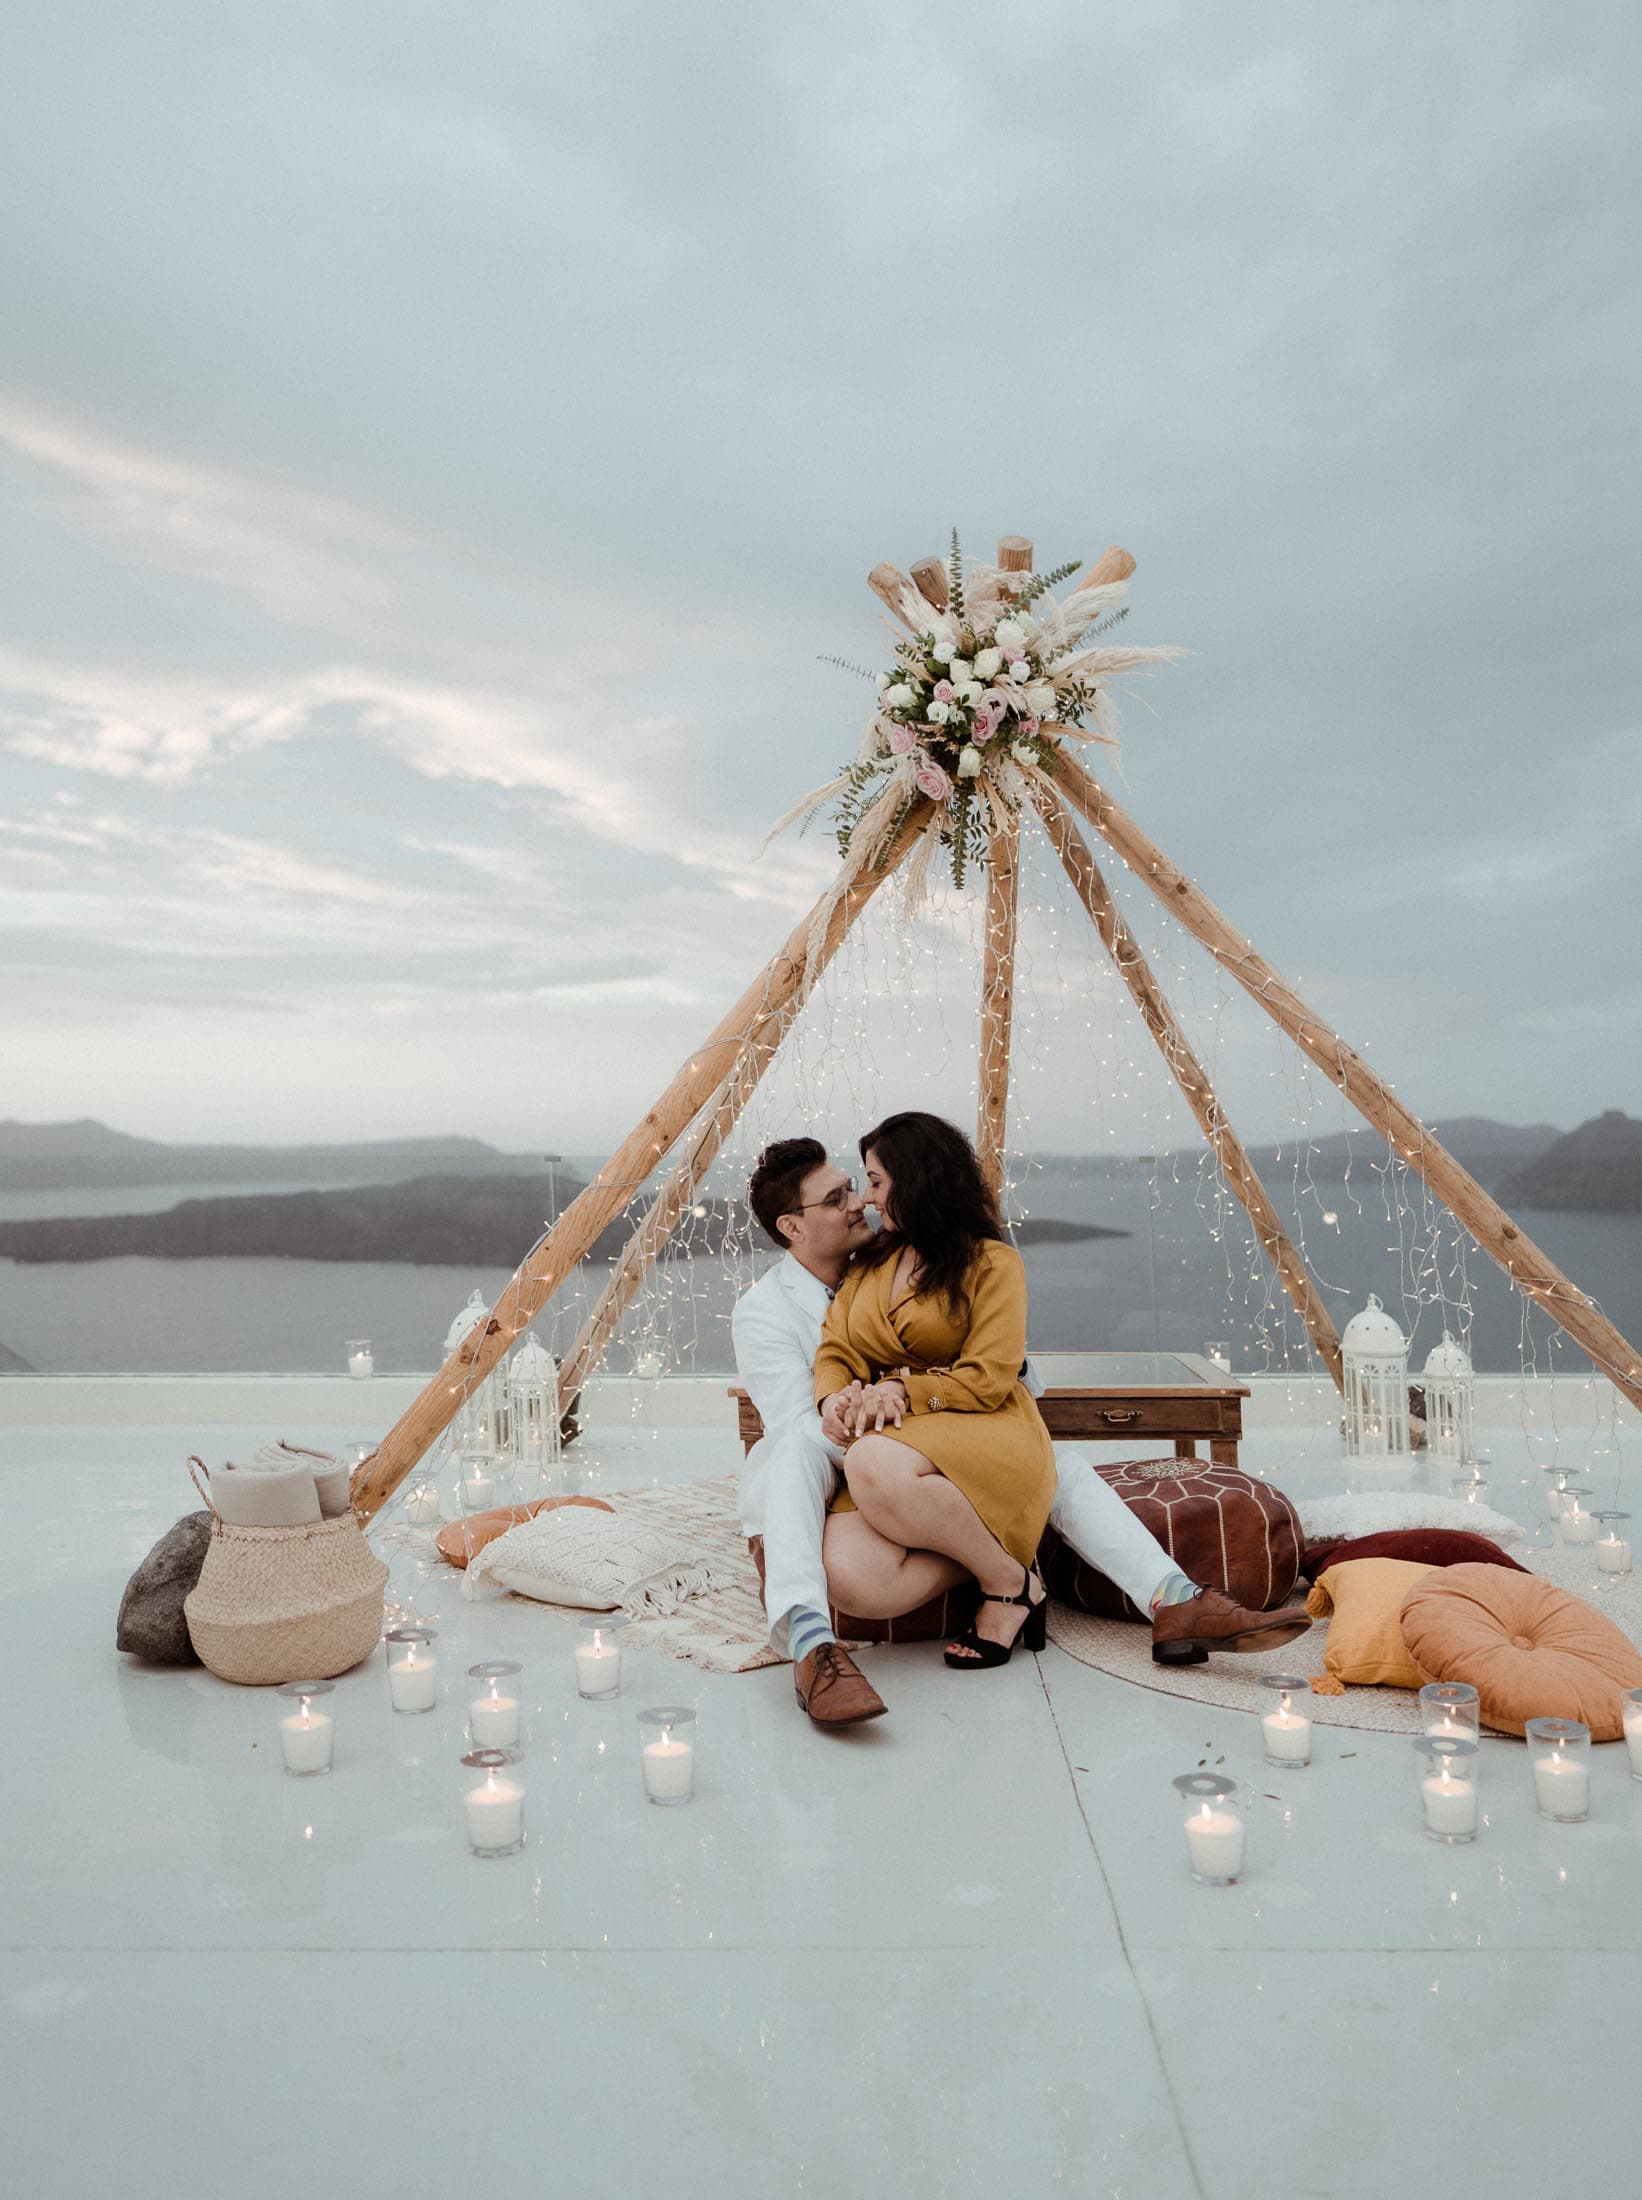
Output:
x,y
596,1561
1378,1512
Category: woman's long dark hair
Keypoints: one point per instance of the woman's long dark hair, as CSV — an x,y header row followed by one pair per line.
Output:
x,y
944,1208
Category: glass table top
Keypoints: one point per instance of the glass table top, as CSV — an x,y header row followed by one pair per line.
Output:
x,y
1127,1370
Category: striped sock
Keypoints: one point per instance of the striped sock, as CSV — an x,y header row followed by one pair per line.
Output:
x,y
1175,1589
807,1630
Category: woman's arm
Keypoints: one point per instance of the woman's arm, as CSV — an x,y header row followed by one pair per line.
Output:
x,y
837,1362
989,1365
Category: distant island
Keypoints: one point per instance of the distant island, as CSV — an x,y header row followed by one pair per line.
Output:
x,y
88,1155
425,1221
1596,1169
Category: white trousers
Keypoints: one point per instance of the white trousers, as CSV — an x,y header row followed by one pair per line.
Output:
x,y
1089,1514
789,1481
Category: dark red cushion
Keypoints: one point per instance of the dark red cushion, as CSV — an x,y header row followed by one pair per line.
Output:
x,y
1421,1546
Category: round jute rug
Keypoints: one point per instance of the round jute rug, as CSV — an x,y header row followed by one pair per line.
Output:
x,y
1123,1648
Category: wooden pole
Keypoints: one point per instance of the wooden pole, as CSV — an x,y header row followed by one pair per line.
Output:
x,y
997,996
929,578
1112,565
1530,1269
677,1195
750,1022
1190,1075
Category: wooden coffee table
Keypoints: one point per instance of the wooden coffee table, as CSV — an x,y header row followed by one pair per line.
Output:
x,y
1134,1398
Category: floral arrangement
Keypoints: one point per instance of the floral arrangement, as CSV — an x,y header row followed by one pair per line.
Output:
x,y
983,691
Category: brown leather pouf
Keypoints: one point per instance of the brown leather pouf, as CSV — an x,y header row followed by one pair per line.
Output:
x,y
1221,1527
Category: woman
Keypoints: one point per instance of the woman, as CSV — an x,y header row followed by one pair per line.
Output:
x,y
950,1470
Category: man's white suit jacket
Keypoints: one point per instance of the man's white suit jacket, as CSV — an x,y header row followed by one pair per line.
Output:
x,y
777,1331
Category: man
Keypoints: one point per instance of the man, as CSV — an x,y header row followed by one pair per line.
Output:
x,y
811,1209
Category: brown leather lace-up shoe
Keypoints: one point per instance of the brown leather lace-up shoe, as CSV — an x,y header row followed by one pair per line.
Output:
x,y
832,1688
1182,1633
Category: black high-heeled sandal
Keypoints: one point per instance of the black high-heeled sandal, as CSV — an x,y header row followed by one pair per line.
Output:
x,y
1032,1636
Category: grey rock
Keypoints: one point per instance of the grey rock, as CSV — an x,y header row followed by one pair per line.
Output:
x,y
151,1623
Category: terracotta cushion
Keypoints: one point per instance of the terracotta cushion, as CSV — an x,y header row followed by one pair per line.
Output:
x,y
1421,1546
459,1539
1362,1602
1221,1527
1529,1649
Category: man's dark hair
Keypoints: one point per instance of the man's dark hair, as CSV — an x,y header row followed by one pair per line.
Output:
x,y
774,1186
943,1206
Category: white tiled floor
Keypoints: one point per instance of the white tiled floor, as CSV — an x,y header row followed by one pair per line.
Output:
x,y
954,1953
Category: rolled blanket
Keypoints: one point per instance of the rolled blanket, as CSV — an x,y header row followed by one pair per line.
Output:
x,y
331,1475
265,1497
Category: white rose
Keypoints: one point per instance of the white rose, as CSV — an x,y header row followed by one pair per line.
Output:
x,y
1040,700
1008,632
941,649
1027,624
883,682
939,713
968,691
1023,752
969,763
898,696
987,663
1020,670
961,668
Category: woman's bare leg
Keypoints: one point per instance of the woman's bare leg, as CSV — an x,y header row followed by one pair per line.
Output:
x,y
910,1502
875,1578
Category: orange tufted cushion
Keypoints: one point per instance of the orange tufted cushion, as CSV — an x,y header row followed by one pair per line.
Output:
x,y
1529,1649
458,1540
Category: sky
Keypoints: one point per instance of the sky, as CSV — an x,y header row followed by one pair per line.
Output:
x,y
439,444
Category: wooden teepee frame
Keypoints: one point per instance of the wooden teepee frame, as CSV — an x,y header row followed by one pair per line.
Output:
x,y
711,1089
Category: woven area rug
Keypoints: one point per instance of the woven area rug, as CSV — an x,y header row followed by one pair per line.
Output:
x,y
723,1630
1123,1648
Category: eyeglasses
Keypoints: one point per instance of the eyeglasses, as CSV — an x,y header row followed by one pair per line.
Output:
x,y
836,1199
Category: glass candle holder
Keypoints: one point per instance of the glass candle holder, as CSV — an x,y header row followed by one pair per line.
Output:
x,y
1473,1488
1451,1711
1446,1769
1286,1732
422,1505
413,1667
495,1703
477,1485
598,1657
668,1754
1560,1753
493,1802
1215,1839
1219,1352
1632,1703
1613,1545
1556,1488
1577,1525
361,1359
305,1735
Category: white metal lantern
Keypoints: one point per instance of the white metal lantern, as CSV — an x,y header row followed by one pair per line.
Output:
x,y
533,1403
483,1424
1375,1353
1450,1403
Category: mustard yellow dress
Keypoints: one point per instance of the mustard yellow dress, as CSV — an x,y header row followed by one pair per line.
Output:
x,y
971,1414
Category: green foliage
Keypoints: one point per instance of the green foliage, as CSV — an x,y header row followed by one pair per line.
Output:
x,y
1041,583
955,582
844,665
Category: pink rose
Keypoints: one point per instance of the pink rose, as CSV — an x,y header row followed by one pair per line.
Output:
x,y
1013,654
934,782
902,740
944,691
1030,726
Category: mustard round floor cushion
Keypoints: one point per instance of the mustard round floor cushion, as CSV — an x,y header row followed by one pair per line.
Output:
x,y
1529,1649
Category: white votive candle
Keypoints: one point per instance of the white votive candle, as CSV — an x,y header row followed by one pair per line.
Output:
x,y
598,1668
478,1492
1633,1738
1450,1805
495,1813
413,1681
306,1737
361,1364
494,1720
669,1770
1613,1555
1578,1526
1448,1730
1562,1788
422,1505
1288,1737
1215,1842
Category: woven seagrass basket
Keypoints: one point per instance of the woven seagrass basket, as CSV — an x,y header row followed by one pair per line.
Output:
x,y
286,1604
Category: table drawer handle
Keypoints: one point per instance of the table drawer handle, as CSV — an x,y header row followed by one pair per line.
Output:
x,y
1121,1419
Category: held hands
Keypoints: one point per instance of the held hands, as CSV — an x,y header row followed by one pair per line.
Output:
x,y
836,1412
873,1405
